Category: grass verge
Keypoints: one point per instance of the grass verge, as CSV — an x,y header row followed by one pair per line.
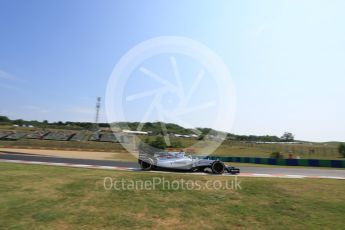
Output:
x,y
237,164
46,197
227,148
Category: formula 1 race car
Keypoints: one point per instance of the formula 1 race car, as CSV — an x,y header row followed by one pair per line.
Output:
x,y
180,161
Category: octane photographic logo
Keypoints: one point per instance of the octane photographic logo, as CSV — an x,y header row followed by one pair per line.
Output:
x,y
161,183
171,79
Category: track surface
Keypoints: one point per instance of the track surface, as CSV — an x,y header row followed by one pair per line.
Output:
x,y
314,172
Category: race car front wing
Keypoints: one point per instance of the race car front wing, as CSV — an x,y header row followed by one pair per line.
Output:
x,y
232,170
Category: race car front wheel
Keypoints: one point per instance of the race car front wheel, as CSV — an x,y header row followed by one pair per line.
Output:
x,y
218,167
146,164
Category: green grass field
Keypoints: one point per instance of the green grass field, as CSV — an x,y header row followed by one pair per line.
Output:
x,y
227,148
64,145
47,197
317,151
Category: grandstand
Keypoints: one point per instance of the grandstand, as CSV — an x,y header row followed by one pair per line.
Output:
x,y
108,137
15,136
78,136
37,135
4,134
96,136
58,136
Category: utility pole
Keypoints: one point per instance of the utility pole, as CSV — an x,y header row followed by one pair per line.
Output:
x,y
98,107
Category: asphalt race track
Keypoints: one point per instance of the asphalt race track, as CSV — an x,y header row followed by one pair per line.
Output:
x,y
312,172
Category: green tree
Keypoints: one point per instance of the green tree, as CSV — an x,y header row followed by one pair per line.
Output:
x,y
341,149
288,137
201,137
4,119
176,144
19,122
159,143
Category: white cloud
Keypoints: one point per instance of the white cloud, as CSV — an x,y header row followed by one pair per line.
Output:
x,y
86,98
261,29
82,110
35,109
7,86
6,76
87,113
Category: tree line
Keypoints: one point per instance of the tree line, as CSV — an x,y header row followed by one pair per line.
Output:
x,y
154,128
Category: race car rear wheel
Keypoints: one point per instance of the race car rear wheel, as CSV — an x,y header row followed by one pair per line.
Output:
x,y
146,164
218,167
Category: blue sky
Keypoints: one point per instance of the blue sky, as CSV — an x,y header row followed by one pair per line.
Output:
x,y
286,57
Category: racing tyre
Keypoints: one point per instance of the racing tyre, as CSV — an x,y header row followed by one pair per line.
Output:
x,y
146,164
218,167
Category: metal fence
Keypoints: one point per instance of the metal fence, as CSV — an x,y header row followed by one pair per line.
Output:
x,y
286,162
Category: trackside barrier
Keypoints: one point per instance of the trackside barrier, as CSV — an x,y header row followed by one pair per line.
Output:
x,y
287,162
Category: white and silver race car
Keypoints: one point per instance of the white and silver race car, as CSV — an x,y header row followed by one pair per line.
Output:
x,y
180,161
